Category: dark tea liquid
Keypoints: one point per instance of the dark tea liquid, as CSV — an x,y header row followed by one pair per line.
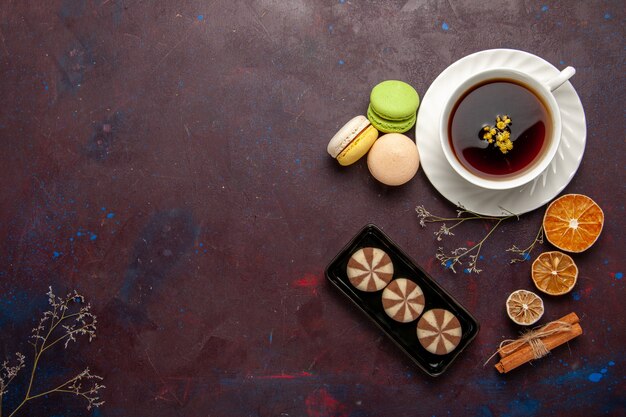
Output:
x,y
478,107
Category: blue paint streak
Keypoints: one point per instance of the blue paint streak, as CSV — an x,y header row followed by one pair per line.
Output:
x,y
55,254
576,295
103,208
200,17
595,377
93,236
607,16
561,62
611,363
619,275
271,336
341,62
79,234
603,371
528,407
445,26
544,8
566,378
484,411
16,307
110,215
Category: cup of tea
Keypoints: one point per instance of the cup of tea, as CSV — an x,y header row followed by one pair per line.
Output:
x,y
521,105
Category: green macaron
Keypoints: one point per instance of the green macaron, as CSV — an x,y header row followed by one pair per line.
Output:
x,y
393,105
389,126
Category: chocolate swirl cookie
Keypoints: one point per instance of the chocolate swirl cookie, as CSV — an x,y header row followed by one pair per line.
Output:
x,y
439,331
370,269
403,300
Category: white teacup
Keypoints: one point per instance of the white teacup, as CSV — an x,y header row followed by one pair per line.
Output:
x,y
543,90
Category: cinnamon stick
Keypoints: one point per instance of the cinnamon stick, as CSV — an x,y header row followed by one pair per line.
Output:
x,y
571,319
512,359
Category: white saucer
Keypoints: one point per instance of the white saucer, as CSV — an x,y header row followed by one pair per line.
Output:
x,y
492,202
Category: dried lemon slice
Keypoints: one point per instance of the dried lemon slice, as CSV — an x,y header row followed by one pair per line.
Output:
x,y
554,273
524,307
573,222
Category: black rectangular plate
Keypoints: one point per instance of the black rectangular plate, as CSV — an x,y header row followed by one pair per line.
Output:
x,y
404,335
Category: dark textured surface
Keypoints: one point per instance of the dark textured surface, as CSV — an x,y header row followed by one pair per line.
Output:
x,y
167,159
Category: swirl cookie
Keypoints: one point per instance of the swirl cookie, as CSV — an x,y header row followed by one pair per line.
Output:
x,y
439,331
370,269
403,300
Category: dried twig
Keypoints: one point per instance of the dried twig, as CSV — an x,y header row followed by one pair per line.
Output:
x,y
8,372
67,319
454,257
524,254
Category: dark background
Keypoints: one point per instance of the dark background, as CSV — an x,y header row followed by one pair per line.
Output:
x,y
168,160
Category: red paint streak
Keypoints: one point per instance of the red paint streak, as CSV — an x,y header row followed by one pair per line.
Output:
x,y
322,404
286,376
308,281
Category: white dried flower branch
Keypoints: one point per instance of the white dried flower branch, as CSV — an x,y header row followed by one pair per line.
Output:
x,y
454,257
462,215
8,372
524,254
74,386
67,319
450,260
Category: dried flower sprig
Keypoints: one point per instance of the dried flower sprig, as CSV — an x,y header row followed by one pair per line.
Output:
x,y
454,258
74,386
524,254
67,319
450,260
8,372
462,215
